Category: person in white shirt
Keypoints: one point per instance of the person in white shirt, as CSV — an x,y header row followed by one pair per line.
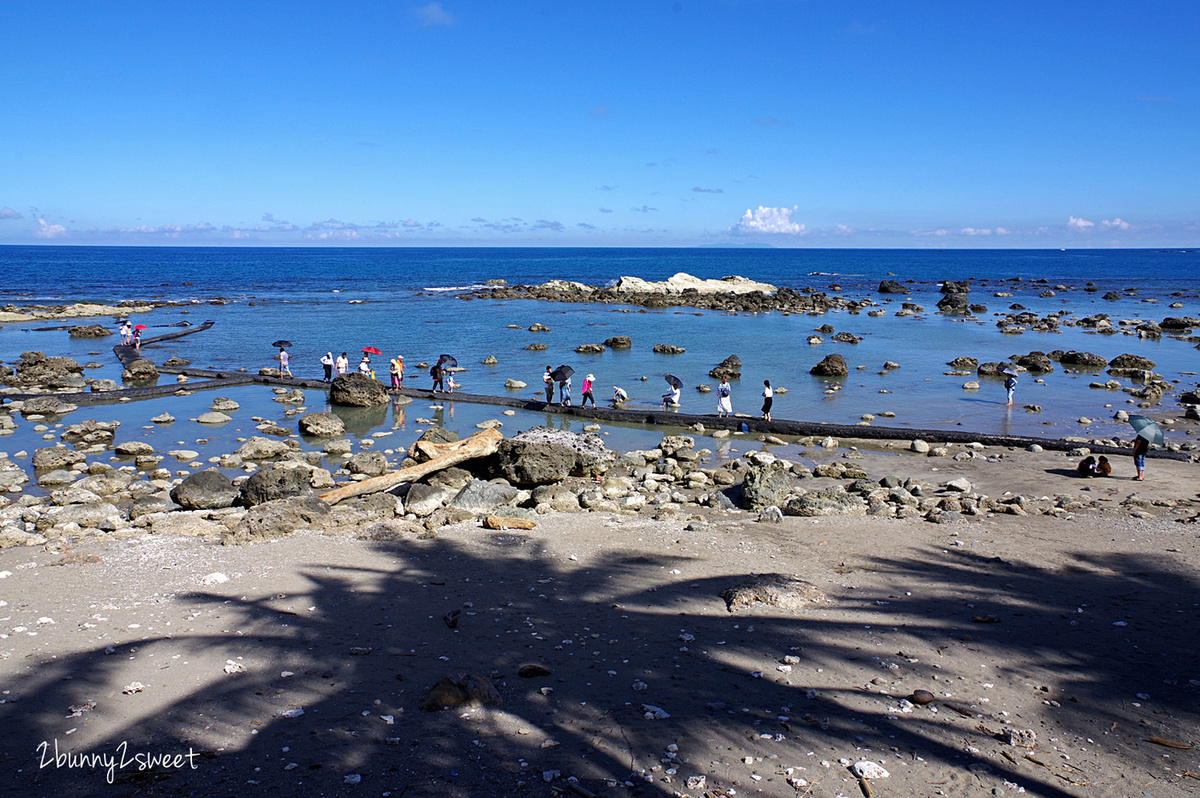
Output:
x,y
343,364
327,362
768,400
284,362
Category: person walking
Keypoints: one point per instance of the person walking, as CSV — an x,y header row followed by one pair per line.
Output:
x,y
588,383
343,364
137,338
285,361
1140,447
564,392
126,332
548,385
395,368
1010,385
768,400
724,400
439,376
327,363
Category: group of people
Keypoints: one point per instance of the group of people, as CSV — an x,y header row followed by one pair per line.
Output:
x,y
564,389
130,335
725,399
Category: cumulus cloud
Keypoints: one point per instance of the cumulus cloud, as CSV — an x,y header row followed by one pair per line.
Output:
x,y
544,224
976,231
479,220
843,230
46,230
1075,223
1115,224
606,210
433,14
644,209
941,231
1003,231
9,213
769,220
699,190
585,225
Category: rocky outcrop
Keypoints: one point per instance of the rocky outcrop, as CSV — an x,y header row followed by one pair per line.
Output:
x,y
1176,323
479,497
533,463
590,349
730,368
954,303
54,457
892,287
1084,360
1128,361
90,331
47,406
280,518
956,287
767,484
371,464
1036,362
357,390
619,342
206,490
140,370
322,425
964,363
828,501
669,349
832,366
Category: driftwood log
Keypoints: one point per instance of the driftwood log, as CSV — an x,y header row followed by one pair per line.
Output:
x,y
481,444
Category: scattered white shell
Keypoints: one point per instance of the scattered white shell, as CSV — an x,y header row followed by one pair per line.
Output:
x,y
215,578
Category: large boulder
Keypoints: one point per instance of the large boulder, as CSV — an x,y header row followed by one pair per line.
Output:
x,y
372,464
280,518
478,496
832,366
357,390
140,370
767,484
1036,362
954,303
362,510
956,287
1085,360
205,490
1179,323
260,448
964,363
422,499
533,462
96,514
541,455
322,425
53,457
892,287
619,342
11,475
1128,361
269,484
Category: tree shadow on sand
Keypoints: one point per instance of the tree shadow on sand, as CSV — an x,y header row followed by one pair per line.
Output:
x,y
622,638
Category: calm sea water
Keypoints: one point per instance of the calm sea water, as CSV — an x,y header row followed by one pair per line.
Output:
x,y
403,301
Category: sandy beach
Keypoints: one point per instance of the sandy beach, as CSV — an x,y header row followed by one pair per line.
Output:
x,y
1058,652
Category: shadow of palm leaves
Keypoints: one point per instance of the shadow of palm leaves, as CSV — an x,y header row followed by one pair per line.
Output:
x,y
624,636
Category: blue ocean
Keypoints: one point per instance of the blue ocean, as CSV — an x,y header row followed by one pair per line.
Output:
x,y
405,301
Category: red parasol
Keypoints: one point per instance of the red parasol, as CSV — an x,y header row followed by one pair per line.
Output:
x,y
371,350
140,327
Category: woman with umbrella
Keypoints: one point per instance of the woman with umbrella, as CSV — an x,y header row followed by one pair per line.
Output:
x,y
439,376
671,398
1148,432
562,375
137,335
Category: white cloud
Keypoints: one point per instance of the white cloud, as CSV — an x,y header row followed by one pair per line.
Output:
x,y
433,14
769,220
1075,223
50,230
1003,231
941,231
9,213
843,230
976,231
1115,224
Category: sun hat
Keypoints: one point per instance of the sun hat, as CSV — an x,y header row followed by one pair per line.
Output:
x,y
591,377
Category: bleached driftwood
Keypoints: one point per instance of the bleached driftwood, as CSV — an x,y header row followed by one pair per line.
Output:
x,y
481,444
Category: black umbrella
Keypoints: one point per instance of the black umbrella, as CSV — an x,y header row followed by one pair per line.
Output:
x,y
283,344
448,361
561,373
673,381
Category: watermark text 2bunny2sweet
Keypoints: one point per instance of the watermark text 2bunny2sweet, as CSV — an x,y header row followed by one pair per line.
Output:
x,y
119,759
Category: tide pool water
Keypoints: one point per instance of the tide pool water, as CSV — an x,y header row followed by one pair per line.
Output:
x,y
404,301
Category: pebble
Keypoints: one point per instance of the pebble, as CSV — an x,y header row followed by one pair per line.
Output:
x,y
866,769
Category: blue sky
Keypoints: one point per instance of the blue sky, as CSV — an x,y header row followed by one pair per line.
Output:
x,y
719,123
